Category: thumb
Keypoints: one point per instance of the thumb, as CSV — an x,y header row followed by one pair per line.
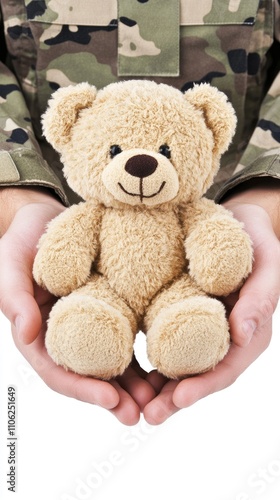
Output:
x,y
259,296
16,291
17,251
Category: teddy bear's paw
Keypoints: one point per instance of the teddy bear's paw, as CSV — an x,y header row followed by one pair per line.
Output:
x,y
188,337
89,337
220,255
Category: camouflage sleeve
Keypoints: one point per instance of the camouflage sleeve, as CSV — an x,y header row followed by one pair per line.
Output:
x,y
21,161
261,157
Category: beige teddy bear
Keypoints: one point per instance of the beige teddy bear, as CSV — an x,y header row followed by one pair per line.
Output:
x,y
145,250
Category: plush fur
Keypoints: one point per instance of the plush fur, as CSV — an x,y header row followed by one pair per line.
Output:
x,y
145,250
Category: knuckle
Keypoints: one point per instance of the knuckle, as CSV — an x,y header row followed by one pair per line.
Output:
x,y
268,306
230,374
230,379
5,307
267,340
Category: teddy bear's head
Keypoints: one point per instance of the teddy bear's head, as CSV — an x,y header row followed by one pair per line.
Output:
x,y
139,142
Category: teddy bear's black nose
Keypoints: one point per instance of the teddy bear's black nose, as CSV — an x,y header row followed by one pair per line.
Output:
x,y
141,165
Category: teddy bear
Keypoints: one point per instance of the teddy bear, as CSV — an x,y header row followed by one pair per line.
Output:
x,y
145,250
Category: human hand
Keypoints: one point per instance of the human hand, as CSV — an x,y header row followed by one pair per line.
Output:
x,y
124,397
151,393
24,214
250,311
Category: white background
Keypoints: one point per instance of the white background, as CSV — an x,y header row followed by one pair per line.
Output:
x,y
225,447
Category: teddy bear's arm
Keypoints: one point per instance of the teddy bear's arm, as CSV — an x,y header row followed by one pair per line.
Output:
x,y
218,249
68,248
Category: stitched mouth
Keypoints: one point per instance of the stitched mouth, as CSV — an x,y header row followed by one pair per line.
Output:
x,y
141,194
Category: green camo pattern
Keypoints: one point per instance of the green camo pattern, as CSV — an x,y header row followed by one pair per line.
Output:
x,y
54,43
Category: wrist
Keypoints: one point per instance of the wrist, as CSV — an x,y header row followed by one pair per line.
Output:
x,y
14,198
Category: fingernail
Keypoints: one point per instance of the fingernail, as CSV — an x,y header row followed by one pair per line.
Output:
x,y
248,328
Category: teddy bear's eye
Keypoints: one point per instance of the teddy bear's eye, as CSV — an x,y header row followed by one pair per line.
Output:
x,y
165,150
115,150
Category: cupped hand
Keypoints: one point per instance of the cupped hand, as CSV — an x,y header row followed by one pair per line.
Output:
x,y
250,311
24,215
250,314
125,398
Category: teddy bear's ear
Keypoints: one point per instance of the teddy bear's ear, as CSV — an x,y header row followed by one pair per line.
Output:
x,y
218,112
63,110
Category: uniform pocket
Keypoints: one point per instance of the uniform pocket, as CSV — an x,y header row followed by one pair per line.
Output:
x,y
104,41
149,38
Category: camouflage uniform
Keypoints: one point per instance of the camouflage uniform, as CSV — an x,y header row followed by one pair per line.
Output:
x,y
233,44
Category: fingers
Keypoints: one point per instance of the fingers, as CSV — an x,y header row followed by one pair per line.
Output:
x,y
127,411
157,380
259,296
17,251
162,406
139,388
191,390
121,397
108,395
16,291
176,395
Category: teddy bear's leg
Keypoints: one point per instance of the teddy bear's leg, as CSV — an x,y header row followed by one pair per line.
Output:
x,y
92,331
187,331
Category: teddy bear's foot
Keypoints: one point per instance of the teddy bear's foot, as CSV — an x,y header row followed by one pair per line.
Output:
x,y
89,337
188,337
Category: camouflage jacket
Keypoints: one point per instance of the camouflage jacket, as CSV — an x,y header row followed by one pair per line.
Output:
x,y
232,44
